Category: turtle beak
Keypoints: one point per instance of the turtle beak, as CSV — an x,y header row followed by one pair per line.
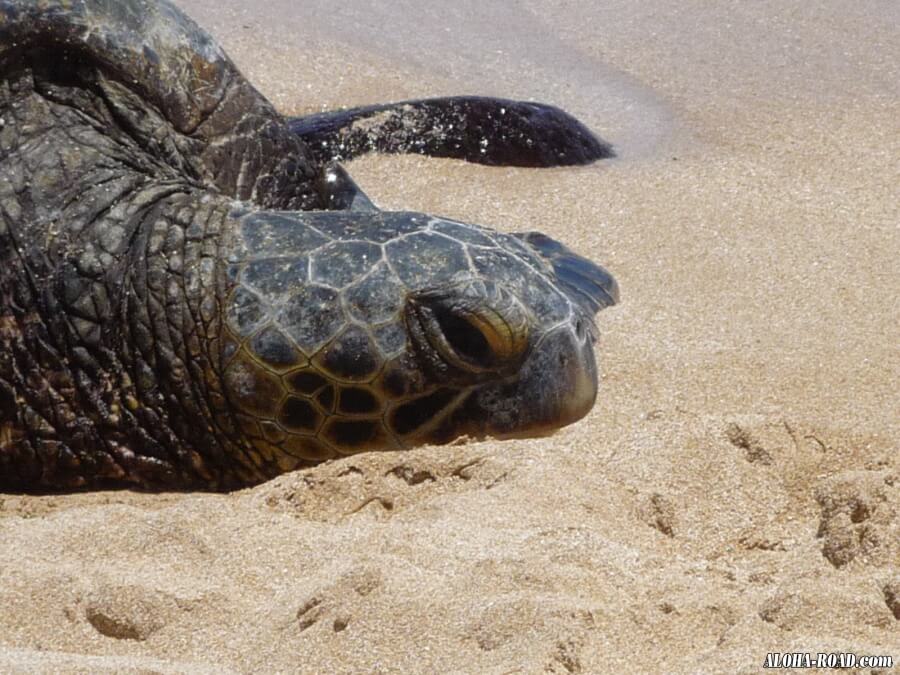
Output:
x,y
557,385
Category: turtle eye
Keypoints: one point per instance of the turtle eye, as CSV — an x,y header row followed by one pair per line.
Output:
x,y
467,340
471,334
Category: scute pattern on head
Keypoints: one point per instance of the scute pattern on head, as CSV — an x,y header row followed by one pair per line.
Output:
x,y
376,298
340,263
423,258
321,310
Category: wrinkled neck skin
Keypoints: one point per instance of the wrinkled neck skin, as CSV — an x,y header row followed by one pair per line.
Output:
x,y
109,280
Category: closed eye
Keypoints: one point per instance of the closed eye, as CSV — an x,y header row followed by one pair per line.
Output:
x,y
468,333
467,340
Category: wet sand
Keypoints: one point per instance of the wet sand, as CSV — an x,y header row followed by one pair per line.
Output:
x,y
736,489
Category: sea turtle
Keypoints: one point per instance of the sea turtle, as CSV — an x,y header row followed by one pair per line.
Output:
x,y
193,295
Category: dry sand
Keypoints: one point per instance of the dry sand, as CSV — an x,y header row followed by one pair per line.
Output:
x,y
736,490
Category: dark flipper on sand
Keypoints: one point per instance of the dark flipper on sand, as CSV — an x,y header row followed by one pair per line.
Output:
x,y
474,128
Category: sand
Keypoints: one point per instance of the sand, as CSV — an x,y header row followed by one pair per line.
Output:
x,y
736,489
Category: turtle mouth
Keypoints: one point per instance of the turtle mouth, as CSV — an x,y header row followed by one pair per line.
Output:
x,y
514,383
555,387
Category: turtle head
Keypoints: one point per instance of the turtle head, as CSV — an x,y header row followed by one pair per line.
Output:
x,y
510,350
348,331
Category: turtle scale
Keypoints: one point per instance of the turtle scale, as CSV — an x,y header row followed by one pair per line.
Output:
x,y
298,414
426,257
310,318
357,400
391,338
379,228
274,276
465,234
274,349
377,297
270,236
305,381
350,356
246,313
340,263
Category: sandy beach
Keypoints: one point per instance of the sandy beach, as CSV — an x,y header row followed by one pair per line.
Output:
x,y
736,489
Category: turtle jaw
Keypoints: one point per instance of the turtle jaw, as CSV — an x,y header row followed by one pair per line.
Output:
x,y
555,387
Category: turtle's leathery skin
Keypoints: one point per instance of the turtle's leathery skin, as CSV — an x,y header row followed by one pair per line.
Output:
x,y
189,298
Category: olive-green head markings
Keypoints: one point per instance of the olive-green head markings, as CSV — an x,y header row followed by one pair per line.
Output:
x,y
348,331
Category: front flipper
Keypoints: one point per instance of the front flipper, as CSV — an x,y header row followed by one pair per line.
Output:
x,y
478,129
586,283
